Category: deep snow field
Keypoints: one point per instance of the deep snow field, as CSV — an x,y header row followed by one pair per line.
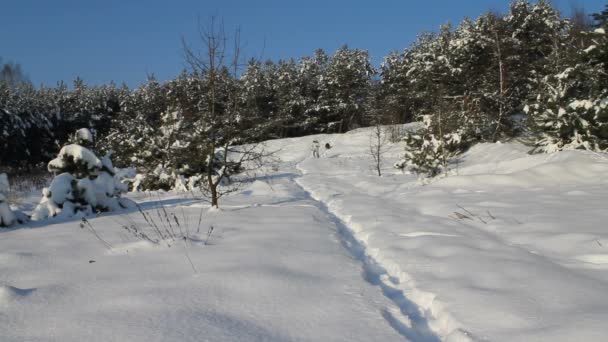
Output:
x,y
509,247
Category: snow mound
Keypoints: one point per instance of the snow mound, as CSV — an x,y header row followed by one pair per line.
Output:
x,y
261,188
132,247
509,246
499,165
10,293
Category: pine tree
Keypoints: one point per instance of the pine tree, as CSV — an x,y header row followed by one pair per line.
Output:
x,y
346,85
601,19
132,136
289,98
429,150
394,100
537,32
312,71
83,184
571,109
24,128
259,93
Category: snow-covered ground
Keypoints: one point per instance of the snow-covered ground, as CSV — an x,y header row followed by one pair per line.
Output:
x,y
510,247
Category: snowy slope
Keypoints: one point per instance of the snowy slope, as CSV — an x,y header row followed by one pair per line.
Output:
x,y
528,262
511,247
273,270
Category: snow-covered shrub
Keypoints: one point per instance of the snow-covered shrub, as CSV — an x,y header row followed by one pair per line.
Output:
x,y
83,183
160,178
580,124
429,152
126,176
7,216
166,178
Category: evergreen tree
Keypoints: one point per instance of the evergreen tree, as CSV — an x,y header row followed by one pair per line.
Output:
x,y
537,32
259,93
571,109
346,85
312,71
132,136
24,128
430,149
394,100
289,100
601,19
83,184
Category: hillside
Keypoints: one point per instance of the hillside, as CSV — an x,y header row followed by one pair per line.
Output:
x,y
508,247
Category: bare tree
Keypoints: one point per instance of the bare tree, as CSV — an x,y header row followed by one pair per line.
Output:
x,y
444,159
12,74
378,146
501,84
221,128
581,23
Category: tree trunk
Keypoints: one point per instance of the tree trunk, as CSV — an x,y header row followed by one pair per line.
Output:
x,y
214,199
212,185
502,89
444,159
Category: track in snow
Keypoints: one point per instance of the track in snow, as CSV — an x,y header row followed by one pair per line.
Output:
x,y
408,320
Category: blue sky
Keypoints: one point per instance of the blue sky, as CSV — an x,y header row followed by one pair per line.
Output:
x,y
124,40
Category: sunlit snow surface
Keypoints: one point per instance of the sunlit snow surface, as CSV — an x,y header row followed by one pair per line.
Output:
x,y
509,247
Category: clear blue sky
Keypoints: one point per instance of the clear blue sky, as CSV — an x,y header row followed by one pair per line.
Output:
x,y
124,40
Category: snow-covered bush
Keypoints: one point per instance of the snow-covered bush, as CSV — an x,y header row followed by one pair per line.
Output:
x,y
126,176
83,183
580,124
7,216
429,150
166,178
427,153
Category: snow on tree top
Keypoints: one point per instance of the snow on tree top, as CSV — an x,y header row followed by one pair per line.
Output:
x,y
581,103
107,163
590,48
78,153
60,189
84,134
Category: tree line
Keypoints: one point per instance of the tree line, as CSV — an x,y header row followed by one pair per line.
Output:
x,y
529,72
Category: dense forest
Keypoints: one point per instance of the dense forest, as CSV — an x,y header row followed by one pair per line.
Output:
x,y
528,73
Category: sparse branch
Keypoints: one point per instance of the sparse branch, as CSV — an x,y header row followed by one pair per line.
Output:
x,y
377,147
222,124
